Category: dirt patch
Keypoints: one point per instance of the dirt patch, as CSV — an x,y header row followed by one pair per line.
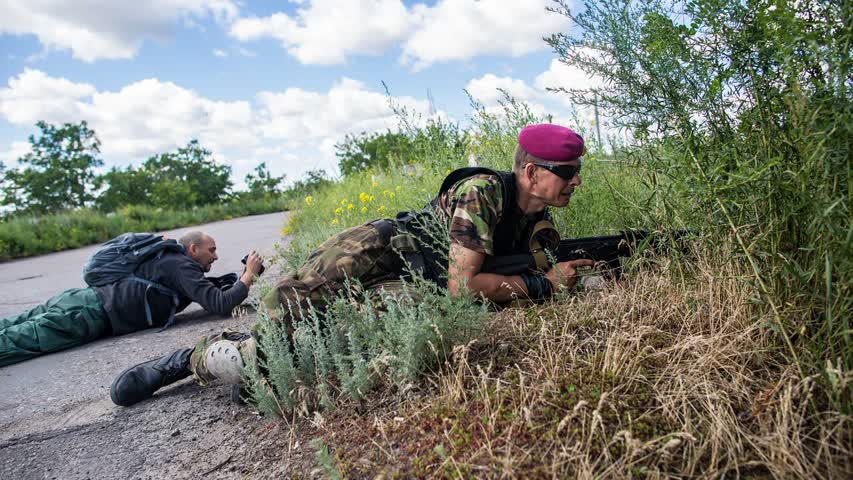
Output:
x,y
184,432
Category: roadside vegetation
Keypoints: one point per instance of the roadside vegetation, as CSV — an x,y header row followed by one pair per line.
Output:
x,y
55,200
734,360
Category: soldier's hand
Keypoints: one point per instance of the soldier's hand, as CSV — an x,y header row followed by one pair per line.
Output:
x,y
254,263
566,273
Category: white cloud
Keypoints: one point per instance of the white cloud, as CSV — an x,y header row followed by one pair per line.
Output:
x,y
246,52
541,101
151,116
348,107
294,130
34,96
326,31
16,150
569,77
219,53
104,29
485,89
464,29
143,118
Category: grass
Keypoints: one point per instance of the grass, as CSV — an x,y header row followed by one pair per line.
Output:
x,y
661,375
674,371
27,236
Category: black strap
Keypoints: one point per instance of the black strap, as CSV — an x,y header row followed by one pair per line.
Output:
x,y
164,290
386,229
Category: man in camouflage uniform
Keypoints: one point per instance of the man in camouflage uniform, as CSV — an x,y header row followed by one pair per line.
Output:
x,y
485,213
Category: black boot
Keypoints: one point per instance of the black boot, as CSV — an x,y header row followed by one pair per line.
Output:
x,y
141,381
239,394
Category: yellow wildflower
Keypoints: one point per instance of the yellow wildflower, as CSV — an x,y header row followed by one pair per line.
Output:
x,y
339,211
375,183
344,202
448,171
334,221
363,209
350,206
364,197
372,198
309,200
381,208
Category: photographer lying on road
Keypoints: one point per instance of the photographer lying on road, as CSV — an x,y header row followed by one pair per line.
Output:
x,y
118,302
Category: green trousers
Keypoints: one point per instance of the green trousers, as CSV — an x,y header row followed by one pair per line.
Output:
x,y
72,318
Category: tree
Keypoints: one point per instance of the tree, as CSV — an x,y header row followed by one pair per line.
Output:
x,y
313,181
58,173
361,152
188,177
130,186
261,183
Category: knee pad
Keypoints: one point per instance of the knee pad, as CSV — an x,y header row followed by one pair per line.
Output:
x,y
224,361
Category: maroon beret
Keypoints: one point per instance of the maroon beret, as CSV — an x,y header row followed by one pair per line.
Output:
x,y
551,142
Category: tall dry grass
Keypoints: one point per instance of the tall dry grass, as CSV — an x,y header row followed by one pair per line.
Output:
x,y
663,375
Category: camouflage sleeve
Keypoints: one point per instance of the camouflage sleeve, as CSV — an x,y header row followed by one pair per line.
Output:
x,y
474,208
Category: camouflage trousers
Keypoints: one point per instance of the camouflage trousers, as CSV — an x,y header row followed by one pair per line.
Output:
x,y
361,254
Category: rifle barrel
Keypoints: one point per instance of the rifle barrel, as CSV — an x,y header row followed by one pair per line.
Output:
x,y
607,248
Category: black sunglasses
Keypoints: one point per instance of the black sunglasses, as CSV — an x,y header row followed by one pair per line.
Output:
x,y
566,172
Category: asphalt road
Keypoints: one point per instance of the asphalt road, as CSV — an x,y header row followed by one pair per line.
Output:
x,y
56,418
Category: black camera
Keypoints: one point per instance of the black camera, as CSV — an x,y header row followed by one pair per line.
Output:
x,y
260,272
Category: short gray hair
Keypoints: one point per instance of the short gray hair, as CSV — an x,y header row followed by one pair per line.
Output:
x,y
522,158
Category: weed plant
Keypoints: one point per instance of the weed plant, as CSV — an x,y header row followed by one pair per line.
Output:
x,y
362,339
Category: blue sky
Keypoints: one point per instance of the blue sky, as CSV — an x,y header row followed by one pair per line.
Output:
x,y
279,82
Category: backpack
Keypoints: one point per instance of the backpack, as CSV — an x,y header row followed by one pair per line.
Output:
x,y
119,259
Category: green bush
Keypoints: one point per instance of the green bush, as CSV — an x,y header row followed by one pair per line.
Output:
x,y
744,114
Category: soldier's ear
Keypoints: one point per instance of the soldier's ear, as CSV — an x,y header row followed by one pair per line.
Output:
x,y
530,172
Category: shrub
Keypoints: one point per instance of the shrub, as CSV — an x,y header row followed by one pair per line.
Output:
x,y
358,342
744,114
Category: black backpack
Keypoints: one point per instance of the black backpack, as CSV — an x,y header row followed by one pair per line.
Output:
x,y
119,258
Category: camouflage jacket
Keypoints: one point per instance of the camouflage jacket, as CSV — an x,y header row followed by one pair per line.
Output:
x,y
473,207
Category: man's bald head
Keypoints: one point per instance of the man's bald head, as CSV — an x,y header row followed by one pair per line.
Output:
x,y
195,237
200,247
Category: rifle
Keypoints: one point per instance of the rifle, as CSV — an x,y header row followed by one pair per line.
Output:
x,y
607,249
